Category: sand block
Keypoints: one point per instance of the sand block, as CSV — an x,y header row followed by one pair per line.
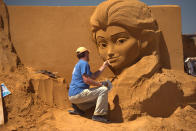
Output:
x,y
48,89
60,93
169,21
51,91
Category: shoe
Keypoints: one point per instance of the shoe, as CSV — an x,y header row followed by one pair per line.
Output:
x,y
73,112
100,118
76,110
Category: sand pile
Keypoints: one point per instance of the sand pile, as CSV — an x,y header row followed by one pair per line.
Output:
x,y
27,111
20,108
182,119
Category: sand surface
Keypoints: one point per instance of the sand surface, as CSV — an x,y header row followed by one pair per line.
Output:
x,y
25,111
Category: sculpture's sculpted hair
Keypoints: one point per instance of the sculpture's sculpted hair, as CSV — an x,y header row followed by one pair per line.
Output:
x,y
133,15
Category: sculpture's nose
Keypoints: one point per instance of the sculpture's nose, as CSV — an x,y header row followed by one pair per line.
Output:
x,y
110,51
110,55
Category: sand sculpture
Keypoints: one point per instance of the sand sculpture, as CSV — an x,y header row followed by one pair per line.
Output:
x,y
126,33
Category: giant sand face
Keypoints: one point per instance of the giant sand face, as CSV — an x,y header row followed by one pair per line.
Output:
x,y
118,46
124,31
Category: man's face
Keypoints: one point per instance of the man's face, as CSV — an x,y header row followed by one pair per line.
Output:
x,y
118,46
87,55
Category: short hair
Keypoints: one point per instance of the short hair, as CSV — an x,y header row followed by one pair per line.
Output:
x,y
81,55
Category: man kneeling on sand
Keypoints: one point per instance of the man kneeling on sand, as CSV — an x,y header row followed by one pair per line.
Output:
x,y
83,97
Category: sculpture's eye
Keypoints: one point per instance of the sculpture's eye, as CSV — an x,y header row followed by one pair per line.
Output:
x,y
102,44
121,40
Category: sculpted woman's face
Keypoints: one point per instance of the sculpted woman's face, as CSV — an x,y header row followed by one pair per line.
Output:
x,y
118,46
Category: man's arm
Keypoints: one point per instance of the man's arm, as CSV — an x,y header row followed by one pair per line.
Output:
x,y
98,72
88,80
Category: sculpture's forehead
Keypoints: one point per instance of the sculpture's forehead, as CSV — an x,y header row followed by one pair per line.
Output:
x,y
110,30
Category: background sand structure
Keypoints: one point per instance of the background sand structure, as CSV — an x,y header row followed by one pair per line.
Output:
x,y
47,37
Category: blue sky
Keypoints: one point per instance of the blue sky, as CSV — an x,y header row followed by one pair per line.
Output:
x,y
188,8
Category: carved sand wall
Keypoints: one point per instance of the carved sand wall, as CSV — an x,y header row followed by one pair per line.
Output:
x,y
169,28
8,58
46,37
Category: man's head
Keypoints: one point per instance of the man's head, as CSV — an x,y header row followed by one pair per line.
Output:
x,y
82,53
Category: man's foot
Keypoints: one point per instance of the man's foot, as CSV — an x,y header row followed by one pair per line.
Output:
x,y
100,118
76,110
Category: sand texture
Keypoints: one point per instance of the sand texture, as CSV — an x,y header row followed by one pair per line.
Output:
x,y
168,105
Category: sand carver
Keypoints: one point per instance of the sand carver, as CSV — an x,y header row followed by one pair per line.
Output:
x,y
81,96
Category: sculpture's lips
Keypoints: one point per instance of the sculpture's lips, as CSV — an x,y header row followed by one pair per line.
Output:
x,y
113,60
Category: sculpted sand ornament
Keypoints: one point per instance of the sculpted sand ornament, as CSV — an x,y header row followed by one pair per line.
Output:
x,y
127,35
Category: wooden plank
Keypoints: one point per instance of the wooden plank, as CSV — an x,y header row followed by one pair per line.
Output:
x,y
1,109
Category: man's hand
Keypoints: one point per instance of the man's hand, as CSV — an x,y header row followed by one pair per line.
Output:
x,y
105,64
105,83
98,72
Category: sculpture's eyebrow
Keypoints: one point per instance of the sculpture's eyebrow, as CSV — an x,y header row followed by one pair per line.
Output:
x,y
100,37
114,37
120,34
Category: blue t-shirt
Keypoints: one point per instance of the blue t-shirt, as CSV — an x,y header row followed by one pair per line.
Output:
x,y
77,84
